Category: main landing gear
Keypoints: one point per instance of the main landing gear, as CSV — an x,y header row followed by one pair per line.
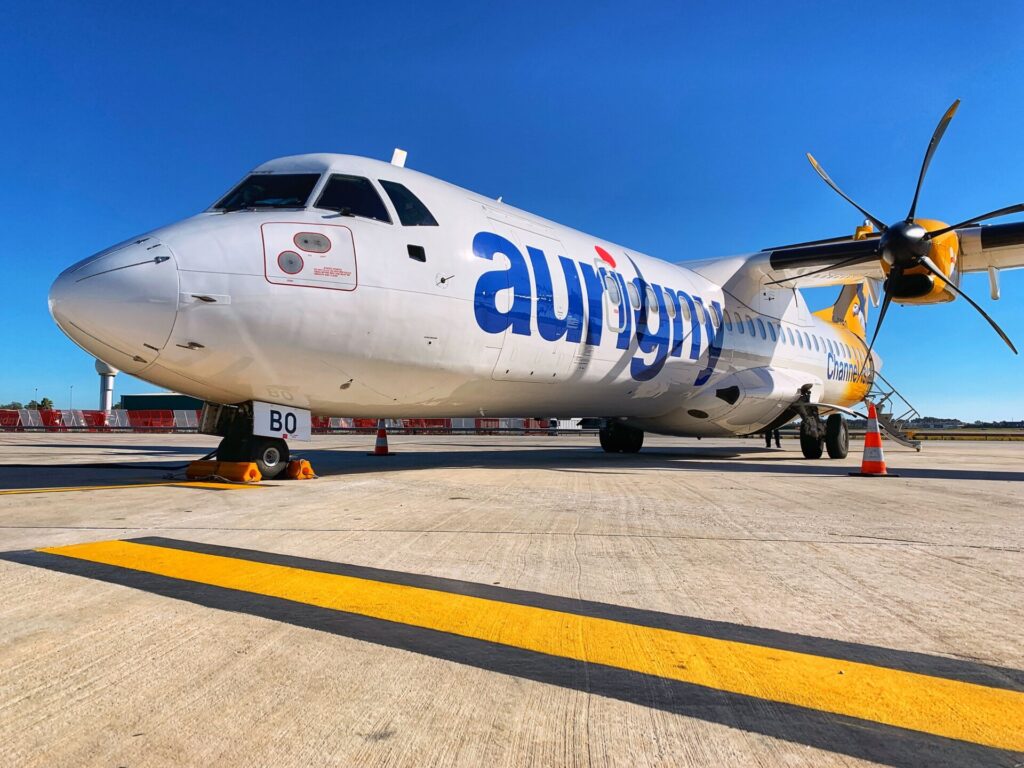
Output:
x,y
618,438
234,424
817,436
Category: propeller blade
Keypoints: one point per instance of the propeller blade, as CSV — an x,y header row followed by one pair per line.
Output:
x,y
930,266
940,129
1018,208
878,326
821,172
826,268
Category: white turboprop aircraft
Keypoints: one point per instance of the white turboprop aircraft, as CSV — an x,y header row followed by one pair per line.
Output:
x,y
337,285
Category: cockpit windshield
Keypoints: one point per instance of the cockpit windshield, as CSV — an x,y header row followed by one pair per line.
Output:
x,y
270,190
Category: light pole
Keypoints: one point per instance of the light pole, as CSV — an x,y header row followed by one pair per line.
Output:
x,y
71,396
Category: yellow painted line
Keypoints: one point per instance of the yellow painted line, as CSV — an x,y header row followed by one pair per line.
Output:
x,y
958,710
183,484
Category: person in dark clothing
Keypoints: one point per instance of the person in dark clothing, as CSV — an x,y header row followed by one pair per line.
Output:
x,y
768,438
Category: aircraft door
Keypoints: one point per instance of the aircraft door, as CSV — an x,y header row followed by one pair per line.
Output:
x,y
616,303
547,353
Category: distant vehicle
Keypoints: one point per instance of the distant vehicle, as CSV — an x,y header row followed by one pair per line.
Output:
x,y
339,285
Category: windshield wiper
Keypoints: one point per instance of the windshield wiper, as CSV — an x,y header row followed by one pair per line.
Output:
x,y
261,207
340,212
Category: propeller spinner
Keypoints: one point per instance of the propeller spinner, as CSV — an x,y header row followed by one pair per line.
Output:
x,y
905,247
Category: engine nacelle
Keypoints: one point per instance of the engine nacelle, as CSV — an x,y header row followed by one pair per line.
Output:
x,y
917,285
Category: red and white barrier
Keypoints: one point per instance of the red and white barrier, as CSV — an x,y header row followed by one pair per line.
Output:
x,y
30,420
78,420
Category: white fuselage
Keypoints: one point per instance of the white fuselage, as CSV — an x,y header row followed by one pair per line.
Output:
x,y
492,312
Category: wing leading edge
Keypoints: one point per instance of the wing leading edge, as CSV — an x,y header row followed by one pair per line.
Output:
x,y
844,261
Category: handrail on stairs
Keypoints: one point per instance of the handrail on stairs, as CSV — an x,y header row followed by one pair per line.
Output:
x,y
892,424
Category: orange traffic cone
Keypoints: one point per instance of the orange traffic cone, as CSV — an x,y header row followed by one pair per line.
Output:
x,y
380,448
873,463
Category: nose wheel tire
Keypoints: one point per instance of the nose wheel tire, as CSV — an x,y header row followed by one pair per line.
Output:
x,y
238,443
618,438
811,442
270,454
837,437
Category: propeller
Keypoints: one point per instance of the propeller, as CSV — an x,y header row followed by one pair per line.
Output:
x,y
928,264
905,246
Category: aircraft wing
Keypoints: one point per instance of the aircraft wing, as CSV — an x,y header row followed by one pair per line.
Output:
x,y
827,262
846,260
999,246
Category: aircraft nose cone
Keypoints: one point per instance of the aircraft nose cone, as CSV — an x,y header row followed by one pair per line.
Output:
x,y
119,306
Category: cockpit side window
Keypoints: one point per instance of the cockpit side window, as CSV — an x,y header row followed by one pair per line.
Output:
x,y
353,196
270,190
411,210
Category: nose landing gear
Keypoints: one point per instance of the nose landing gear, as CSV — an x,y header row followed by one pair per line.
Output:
x,y
234,424
270,454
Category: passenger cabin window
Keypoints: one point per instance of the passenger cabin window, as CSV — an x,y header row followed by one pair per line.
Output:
x,y
698,313
771,330
815,340
270,190
411,211
750,326
684,310
353,196
728,320
760,327
612,286
634,295
652,300
670,305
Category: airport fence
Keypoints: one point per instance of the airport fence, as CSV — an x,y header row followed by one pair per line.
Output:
x,y
80,420
77,420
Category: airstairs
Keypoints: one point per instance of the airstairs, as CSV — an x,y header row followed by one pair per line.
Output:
x,y
889,402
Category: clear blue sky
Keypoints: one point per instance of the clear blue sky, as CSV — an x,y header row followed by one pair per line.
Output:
x,y
675,129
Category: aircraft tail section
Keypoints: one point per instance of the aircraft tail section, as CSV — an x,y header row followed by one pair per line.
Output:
x,y
850,309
